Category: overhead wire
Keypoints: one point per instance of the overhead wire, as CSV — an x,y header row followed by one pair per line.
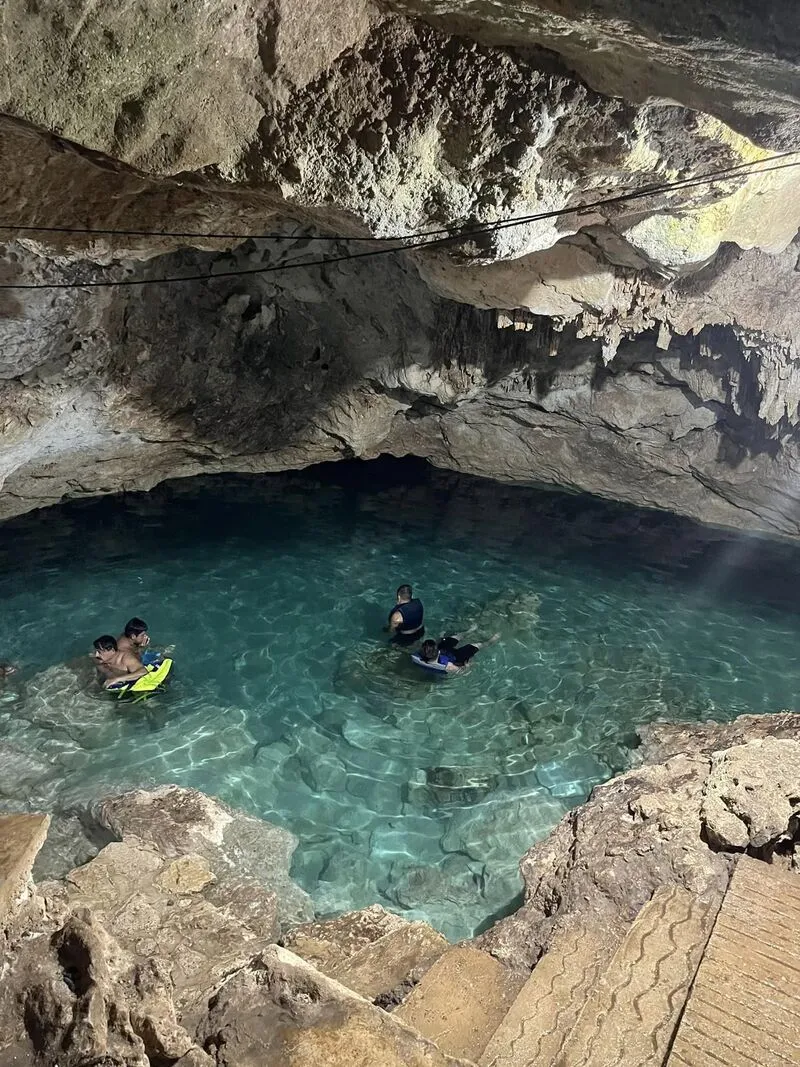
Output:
x,y
410,242
680,183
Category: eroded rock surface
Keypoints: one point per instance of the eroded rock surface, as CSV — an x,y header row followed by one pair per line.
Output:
x,y
681,822
752,795
76,997
725,58
246,856
632,350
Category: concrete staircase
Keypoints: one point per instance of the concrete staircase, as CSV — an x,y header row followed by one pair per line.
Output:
x,y
682,989
745,1003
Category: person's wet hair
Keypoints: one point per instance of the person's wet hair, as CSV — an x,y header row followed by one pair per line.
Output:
x,y
429,651
135,627
106,643
405,592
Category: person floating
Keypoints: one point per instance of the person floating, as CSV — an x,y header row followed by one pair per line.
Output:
x,y
116,665
135,639
406,618
446,656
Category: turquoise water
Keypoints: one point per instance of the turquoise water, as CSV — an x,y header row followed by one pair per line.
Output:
x,y
414,792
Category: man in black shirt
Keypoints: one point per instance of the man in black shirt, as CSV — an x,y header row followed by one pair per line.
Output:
x,y
405,618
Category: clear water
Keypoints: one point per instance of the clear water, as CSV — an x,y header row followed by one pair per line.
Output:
x,y
418,793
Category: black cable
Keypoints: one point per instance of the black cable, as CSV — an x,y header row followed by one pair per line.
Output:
x,y
415,245
643,191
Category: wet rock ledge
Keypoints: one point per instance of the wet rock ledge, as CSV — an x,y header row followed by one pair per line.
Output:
x,y
185,943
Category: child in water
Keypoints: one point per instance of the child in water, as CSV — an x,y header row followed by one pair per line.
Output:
x,y
449,654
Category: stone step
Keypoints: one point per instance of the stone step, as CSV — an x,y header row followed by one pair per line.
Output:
x,y
631,1014
377,954
279,1010
21,837
393,964
461,1001
539,1021
744,1008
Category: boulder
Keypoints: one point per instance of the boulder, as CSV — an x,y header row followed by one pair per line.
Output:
x,y
377,954
752,795
280,1011
606,858
243,853
77,998
156,908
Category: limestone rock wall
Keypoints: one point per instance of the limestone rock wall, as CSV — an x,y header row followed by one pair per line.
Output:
x,y
645,350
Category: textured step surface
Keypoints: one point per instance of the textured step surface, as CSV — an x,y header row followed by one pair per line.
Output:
x,y
461,1001
400,957
631,1015
539,1021
21,837
744,1009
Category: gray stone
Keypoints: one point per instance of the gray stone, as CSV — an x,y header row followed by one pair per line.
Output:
x,y
534,353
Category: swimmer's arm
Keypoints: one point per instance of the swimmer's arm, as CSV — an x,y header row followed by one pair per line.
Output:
x,y
395,622
129,676
133,669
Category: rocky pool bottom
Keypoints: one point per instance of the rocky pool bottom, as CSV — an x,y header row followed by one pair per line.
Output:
x,y
416,793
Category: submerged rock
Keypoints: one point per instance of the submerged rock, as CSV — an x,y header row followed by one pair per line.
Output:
x,y
240,850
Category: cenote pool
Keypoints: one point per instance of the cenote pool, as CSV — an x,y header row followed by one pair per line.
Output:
x,y
418,793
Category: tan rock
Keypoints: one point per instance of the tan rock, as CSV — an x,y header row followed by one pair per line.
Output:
x,y
328,943
77,997
662,740
752,795
461,1001
189,874
21,837
393,964
156,909
603,862
280,1011
195,1058
240,851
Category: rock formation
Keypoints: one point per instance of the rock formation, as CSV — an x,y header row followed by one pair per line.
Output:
x,y
162,949
644,350
680,822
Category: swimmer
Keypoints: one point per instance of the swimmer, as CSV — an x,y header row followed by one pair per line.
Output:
x,y
6,669
134,638
452,656
405,618
115,665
